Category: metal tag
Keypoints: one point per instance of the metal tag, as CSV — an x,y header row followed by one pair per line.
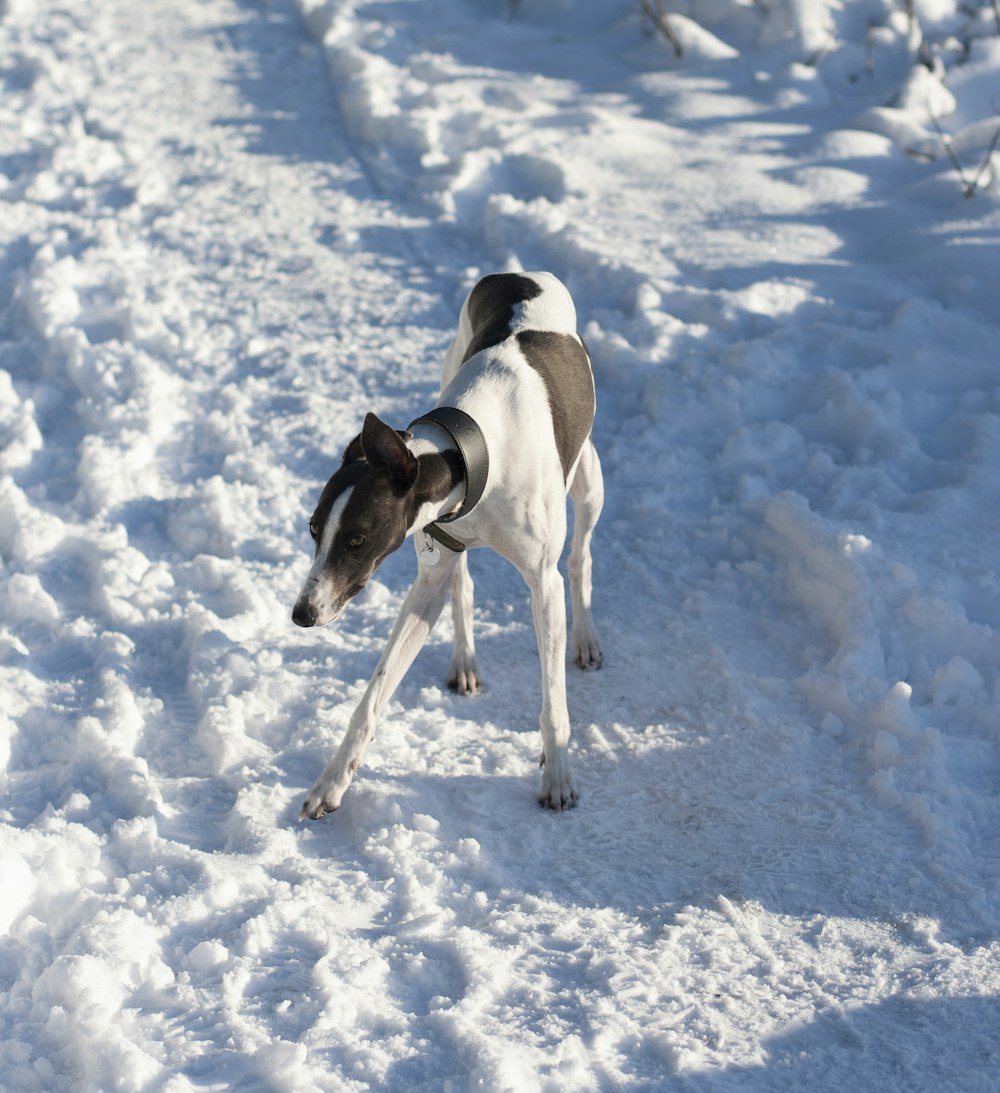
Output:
x,y
429,554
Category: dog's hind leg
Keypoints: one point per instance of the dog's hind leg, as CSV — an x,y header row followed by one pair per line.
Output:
x,y
463,676
587,492
548,605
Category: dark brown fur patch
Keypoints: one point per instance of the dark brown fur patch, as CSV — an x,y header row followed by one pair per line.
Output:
x,y
491,308
564,366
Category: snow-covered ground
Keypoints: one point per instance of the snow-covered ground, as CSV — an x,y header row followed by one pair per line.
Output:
x,y
231,227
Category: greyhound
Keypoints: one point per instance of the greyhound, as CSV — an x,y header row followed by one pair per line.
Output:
x,y
494,460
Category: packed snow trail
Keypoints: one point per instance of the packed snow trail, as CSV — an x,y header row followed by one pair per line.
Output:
x,y
223,242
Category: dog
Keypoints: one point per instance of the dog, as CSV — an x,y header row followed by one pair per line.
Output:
x,y
493,461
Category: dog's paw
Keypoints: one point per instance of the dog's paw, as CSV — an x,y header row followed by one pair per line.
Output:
x,y
558,791
586,652
325,796
313,809
463,677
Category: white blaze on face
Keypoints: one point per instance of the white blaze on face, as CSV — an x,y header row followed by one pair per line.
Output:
x,y
318,590
332,525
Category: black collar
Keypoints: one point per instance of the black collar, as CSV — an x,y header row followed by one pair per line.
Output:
x,y
471,444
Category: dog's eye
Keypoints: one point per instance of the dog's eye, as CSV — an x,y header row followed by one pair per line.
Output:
x,y
313,528
357,540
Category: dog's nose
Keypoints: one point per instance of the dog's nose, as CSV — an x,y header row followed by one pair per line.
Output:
x,y
303,614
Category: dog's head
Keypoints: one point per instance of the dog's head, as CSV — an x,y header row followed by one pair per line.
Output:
x,y
363,515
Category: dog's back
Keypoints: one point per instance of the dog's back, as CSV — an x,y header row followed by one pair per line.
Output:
x,y
517,340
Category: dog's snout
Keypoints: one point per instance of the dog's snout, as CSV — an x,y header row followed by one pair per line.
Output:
x,y
304,614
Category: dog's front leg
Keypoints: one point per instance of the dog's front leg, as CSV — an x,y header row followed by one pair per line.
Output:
x,y
416,619
548,605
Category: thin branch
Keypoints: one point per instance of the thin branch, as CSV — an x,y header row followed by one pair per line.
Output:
x,y
969,186
946,144
653,11
986,160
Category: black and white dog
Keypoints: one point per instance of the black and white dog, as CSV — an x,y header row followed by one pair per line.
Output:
x,y
494,461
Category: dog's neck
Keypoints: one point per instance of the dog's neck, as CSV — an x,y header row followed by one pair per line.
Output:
x,y
441,481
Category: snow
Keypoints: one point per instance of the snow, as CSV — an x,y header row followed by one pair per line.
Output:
x,y
230,228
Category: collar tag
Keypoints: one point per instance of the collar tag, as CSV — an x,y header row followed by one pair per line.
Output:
x,y
429,554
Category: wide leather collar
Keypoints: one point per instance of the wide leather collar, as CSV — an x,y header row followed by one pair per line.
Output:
x,y
471,445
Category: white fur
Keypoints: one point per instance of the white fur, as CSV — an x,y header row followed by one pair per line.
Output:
x,y
318,589
522,516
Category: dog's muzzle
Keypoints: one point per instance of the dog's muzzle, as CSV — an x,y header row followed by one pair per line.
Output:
x,y
304,614
312,609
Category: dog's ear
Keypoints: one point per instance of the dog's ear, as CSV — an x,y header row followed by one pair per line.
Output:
x,y
354,452
384,447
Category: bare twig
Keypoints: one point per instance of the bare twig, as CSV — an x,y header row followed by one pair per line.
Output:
x,y
986,160
969,186
653,11
946,144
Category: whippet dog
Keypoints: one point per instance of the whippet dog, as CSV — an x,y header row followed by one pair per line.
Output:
x,y
510,436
